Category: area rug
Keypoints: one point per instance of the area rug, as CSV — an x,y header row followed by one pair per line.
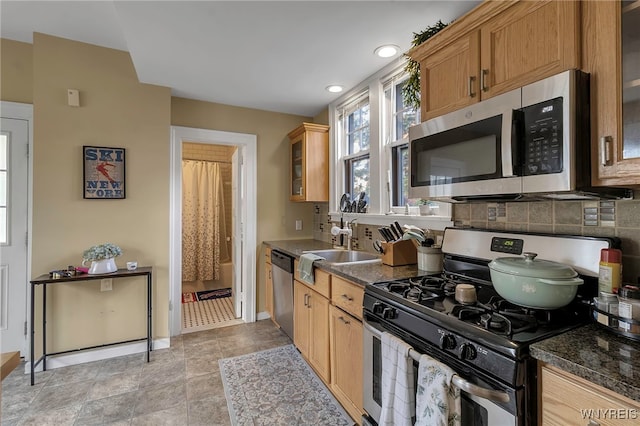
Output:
x,y
197,316
277,387
206,295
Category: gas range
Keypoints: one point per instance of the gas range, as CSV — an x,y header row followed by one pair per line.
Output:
x,y
483,338
491,318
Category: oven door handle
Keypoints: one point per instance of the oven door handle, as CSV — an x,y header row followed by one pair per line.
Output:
x,y
470,388
462,384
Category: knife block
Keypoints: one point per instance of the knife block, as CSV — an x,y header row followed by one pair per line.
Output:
x,y
397,253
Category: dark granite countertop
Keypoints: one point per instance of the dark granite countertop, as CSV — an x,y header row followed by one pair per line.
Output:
x,y
597,355
364,273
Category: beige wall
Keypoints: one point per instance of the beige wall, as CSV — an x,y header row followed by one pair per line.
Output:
x,y
16,71
276,215
115,111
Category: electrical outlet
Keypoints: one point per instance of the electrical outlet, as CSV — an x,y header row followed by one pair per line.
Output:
x,y
299,225
106,284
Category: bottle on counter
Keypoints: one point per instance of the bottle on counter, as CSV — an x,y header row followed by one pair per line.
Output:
x,y
610,273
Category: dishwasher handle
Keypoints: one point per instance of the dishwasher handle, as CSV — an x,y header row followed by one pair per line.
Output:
x,y
282,260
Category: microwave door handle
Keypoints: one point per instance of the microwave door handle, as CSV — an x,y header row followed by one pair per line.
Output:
x,y
507,153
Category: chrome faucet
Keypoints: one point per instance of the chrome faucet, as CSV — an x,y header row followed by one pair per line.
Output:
x,y
347,230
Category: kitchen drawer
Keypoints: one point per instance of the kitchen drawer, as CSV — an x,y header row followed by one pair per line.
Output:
x,y
322,281
571,400
347,296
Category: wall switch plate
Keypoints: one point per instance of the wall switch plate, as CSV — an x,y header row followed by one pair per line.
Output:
x,y
299,225
73,97
106,284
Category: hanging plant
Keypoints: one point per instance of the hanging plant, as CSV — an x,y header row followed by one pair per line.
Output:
x,y
411,88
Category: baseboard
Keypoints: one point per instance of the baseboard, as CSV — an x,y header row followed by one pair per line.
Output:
x,y
263,316
90,355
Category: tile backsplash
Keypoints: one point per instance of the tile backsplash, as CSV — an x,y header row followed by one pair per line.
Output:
x,y
588,218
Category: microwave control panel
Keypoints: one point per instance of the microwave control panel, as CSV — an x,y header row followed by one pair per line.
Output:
x,y
542,138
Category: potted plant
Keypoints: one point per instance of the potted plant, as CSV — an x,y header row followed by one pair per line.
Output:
x,y
102,258
411,88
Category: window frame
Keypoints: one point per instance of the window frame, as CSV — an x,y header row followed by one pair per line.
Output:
x,y
380,153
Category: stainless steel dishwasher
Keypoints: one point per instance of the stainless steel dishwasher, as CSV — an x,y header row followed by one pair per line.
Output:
x,y
282,274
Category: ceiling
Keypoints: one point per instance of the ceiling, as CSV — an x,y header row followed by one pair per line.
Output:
x,y
269,55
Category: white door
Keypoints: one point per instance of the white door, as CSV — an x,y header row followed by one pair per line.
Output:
x,y
14,137
236,209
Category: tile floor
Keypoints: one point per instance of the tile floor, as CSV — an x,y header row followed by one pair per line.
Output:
x,y
180,386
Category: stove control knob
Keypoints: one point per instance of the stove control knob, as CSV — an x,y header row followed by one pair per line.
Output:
x,y
377,308
447,341
467,352
389,313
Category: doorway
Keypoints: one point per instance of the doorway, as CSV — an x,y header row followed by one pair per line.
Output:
x,y
15,223
208,290
243,211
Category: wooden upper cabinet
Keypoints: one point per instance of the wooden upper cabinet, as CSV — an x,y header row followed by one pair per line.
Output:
x,y
309,163
496,47
611,45
528,42
449,77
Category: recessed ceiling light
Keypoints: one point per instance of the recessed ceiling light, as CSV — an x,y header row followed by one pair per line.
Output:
x,y
334,88
386,51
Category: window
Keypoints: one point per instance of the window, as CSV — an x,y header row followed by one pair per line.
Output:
x,y
371,143
4,159
355,121
398,117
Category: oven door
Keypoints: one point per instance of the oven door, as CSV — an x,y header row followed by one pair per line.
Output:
x,y
477,402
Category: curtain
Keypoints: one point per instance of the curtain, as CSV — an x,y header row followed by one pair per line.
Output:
x,y
204,232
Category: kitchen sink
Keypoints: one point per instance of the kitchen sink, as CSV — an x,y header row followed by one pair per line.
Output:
x,y
343,257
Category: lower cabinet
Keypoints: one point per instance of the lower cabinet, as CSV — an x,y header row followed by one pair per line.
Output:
x,y
346,360
311,327
570,400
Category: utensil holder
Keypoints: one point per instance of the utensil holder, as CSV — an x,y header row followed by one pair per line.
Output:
x,y
397,253
430,259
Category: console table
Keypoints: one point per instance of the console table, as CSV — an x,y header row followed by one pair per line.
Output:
x,y
45,280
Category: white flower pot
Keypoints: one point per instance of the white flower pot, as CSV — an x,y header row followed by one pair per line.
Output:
x,y
104,266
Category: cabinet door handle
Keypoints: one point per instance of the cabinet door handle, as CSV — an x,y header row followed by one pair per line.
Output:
x,y
606,142
472,79
347,298
483,80
341,318
593,423
269,274
306,300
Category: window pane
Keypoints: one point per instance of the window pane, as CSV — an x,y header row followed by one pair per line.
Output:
x,y
359,176
364,138
3,225
358,130
3,152
3,188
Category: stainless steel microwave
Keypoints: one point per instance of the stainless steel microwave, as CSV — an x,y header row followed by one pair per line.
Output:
x,y
531,142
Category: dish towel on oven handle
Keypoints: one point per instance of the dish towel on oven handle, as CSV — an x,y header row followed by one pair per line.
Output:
x,y
398,390
437,399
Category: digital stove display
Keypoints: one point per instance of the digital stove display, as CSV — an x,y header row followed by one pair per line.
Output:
x,y
507,245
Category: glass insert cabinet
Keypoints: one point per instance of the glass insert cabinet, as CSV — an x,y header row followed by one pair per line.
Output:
x,y
612,56
309,163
